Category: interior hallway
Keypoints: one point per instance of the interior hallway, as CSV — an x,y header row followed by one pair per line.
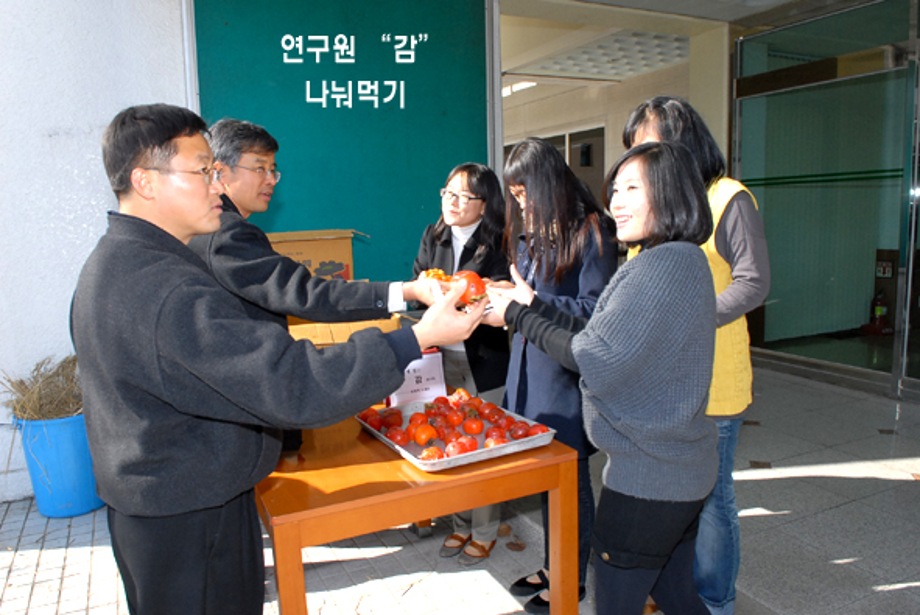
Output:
x,y
828,482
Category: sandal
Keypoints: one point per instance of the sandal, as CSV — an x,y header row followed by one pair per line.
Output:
x,y
525,587
480,552
450,551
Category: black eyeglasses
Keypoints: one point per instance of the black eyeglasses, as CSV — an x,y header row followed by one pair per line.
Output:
x,y
448,195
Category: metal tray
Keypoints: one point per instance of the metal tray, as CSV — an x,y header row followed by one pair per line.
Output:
x,y
411,451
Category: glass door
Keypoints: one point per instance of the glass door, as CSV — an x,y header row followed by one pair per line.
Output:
x,y
824,137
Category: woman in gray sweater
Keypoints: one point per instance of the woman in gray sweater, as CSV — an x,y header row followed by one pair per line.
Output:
x,y
645,359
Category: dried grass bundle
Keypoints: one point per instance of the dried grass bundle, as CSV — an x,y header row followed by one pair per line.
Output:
x,y
51,391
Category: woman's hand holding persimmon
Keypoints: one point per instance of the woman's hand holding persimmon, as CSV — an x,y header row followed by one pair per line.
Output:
x,y
501,294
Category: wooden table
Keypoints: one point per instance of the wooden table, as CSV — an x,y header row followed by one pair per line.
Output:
x,y
345,483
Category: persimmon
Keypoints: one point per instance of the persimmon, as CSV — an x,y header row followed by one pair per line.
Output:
x,y
475,287
495,441
455,417
431,453
392,417
435,274
372,417
469,443
473,426
454,448
424,434
519,429
397,435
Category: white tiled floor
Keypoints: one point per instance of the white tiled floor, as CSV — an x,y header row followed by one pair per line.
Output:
x,y
828,483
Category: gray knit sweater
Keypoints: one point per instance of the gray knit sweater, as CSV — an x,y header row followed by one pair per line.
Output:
x,y
645,358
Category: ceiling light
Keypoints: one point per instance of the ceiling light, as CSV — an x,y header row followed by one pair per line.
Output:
x,y
508,90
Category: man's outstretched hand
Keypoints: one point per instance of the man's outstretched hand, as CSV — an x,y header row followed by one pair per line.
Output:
x,y
444,324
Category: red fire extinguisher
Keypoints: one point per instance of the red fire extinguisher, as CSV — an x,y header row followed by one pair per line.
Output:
x,y
878,316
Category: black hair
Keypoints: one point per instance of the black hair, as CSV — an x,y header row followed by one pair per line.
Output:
x,y
673,119
482,182
675,192
144,136
561,214
232,138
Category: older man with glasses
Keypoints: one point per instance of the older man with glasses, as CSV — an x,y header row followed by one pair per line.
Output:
x,y
243,261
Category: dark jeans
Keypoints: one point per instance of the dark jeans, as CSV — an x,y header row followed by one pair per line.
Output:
x,y
645,547
585,520
623,590
206,562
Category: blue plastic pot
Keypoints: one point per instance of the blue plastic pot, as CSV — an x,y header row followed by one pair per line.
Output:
x,y
57,456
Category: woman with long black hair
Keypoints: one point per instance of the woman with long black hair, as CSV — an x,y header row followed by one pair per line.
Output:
x,y
563,243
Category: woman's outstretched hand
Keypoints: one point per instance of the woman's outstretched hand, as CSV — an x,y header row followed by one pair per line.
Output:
x,y
501,294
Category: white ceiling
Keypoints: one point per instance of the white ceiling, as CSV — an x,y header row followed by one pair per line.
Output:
x,y
591,41
718,10
615,56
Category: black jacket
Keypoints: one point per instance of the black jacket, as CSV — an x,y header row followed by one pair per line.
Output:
x,y
242,260
487,349
538,386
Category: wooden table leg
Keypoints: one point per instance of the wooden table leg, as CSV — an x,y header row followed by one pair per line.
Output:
x,y
423,528
563,542
289,575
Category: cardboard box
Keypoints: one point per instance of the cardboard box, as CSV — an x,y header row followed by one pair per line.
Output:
x,y
326,254
324,334
424,378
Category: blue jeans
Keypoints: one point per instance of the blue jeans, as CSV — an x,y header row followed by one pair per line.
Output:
x,y
718,543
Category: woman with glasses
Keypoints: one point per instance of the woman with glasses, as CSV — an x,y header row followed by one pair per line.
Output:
x,y
562,242
645,360
468,236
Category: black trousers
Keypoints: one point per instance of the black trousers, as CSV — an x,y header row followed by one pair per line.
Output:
x,y
205,562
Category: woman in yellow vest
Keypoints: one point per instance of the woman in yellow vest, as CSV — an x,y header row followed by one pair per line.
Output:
x,y
737,253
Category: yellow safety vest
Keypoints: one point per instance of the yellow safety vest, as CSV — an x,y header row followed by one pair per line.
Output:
x,y
732,377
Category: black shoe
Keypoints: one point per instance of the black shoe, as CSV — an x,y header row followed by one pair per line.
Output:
x,y
523,587
539,605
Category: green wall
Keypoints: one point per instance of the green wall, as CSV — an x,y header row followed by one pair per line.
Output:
x,y
826,164
375,170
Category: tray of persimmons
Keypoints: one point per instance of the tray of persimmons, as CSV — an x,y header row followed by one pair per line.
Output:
x,y
452,431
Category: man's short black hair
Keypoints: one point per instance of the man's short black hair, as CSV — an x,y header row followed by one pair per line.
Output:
x,y
143,136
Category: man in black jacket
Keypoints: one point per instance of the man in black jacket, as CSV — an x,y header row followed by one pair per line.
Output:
x,y
243,261
185,392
